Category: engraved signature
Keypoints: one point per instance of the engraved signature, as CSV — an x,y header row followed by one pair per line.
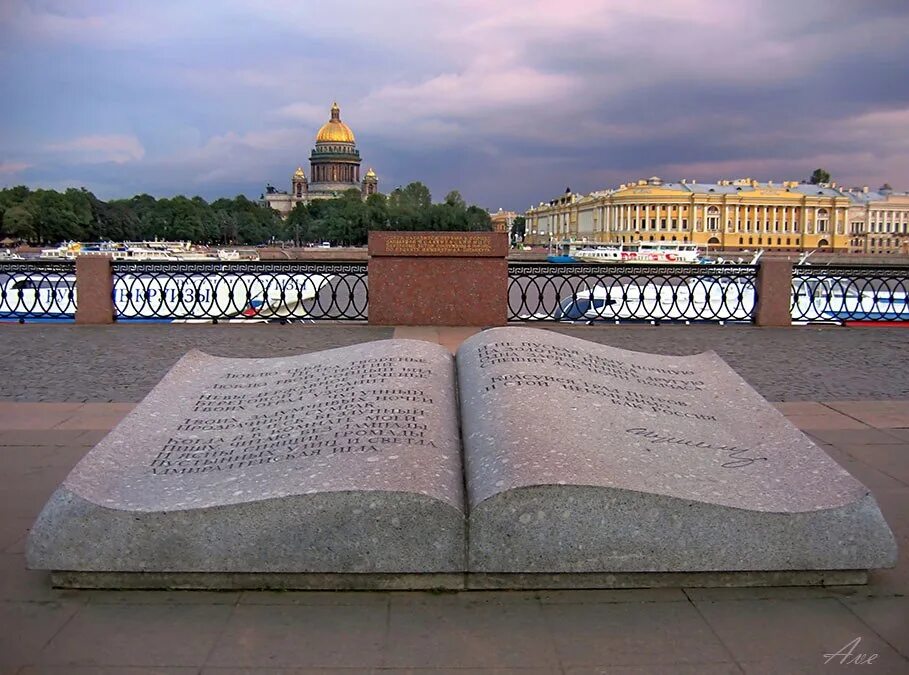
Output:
x,y
737,456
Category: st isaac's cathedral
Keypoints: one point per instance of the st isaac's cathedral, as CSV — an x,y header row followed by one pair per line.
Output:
x,y
334,167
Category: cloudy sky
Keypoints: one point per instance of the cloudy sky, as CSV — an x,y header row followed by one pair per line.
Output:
x,y
507,101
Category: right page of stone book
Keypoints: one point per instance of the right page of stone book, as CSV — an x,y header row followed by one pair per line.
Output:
x,y
581,457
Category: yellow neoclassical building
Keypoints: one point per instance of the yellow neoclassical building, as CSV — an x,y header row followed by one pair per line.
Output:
x,y
729,214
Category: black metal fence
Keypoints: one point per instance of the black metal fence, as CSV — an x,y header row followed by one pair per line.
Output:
x,y
844,293
35,289
655,293
258,291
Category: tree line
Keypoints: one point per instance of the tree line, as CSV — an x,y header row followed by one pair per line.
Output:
x,y
47,216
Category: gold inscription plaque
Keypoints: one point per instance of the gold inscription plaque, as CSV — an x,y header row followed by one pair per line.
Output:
x,y
438,244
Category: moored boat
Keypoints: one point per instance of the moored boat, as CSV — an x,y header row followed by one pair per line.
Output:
x,y
643,252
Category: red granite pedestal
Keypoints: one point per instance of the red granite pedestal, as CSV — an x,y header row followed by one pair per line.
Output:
x,y
94,281
774,293
438,278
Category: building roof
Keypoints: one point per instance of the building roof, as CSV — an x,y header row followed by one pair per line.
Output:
x,y
334,130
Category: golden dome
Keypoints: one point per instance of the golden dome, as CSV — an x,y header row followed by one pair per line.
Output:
x,y
370,173
299,173
335,131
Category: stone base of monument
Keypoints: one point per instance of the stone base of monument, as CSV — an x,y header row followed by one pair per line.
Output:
x,y
447,582
603,580
218,581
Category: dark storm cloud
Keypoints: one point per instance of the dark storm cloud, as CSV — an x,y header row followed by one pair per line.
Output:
x,y
507,102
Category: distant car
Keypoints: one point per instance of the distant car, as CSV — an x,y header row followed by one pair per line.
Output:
x,y
325,244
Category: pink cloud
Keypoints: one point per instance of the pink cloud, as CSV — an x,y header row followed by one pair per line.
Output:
x,y
10,168
100,148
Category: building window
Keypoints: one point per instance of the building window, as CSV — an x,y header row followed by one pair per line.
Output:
x,y
713,218
685,224
822,220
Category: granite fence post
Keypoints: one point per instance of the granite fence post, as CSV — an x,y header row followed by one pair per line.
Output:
x,y
774,293
94,285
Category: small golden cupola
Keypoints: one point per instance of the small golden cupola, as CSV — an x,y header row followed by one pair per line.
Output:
x,y
335,131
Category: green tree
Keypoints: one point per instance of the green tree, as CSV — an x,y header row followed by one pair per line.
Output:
x,y
518,228
819,176
478,220
376,212
18,223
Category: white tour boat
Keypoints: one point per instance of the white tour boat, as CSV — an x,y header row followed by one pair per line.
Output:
x,y
643,252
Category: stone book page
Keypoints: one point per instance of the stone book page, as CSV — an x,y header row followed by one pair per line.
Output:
x,y
581,457
345,460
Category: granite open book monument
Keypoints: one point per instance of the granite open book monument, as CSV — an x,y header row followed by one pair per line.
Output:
x,y
530,459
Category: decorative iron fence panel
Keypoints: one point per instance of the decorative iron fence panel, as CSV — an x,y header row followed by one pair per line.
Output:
x,y
840,293
254,291
615,293
35,289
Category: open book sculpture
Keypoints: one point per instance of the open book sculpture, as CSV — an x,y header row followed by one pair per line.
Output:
x,y
530,458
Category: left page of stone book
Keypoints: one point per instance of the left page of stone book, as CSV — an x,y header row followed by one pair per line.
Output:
x,y
341,461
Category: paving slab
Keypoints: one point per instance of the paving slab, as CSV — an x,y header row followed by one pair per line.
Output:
x,y
892,460
607,596
49,437
879,414
137,635
303,636
888,617
330,598
827,421
20,584
796,408
107,670
869,436
626,634
871,477
727,668
478,635
777,635
28,626
30,416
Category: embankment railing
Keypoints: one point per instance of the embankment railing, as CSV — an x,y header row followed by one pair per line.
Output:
x,y
849,293
37,290
771,293
654,293
253,291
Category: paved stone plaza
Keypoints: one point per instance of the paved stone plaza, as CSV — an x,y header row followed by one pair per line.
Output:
x,y
64,387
